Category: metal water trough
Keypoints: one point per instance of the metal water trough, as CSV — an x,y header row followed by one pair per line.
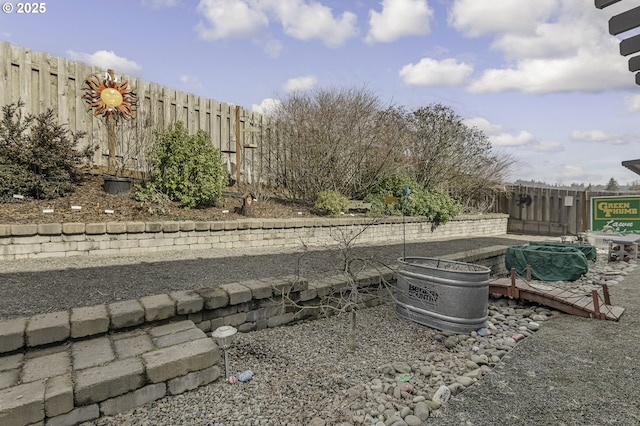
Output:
x,y
442,294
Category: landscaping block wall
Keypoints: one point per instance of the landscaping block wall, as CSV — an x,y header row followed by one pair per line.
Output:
x,y
122,238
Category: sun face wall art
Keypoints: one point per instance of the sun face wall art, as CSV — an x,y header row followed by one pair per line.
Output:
x,y
109,97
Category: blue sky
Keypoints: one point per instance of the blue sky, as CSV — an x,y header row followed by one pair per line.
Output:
x,y
543,79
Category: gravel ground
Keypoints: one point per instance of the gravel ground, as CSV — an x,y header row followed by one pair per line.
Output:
x,y
64,283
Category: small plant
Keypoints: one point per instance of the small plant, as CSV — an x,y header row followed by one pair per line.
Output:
x,y
187,168
38,157
156,202
429,203
330,203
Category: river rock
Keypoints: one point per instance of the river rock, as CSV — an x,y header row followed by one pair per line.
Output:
x,y
401,367
442,395
422,411
412,420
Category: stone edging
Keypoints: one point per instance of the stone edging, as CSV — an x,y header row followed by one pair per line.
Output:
x,y
121,238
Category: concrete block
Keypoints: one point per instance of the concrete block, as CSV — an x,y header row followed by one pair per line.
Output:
x,y
153,227
73,228
187,302
171,328
45,366
95,228
217,226
92,352
214,298
100,383
5,230
23,404
116,227
24,230
11,362
259,289
133,399
88,321
235,319
237,293
48,328
126,314
178,360
49,229
279,320
193,380
220,312
133,346
12,334
193,333
9,378
158,307
75,417
187,225
202,226
170,226
58,395
135,227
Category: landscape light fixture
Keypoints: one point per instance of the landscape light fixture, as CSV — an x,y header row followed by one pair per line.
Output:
x,y
224,337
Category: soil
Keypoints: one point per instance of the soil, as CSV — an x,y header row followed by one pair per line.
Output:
x,y
93,200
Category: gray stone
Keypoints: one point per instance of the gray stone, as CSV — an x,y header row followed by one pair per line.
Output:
x,y
12,334
278,320
77,416
133,346
133,399
126,314
317,421
23,404
88,321
187,302
178,360
422,411
10,362
193,380
442,395
58,396
158,307
214,298
465,381
259,289
48,328
412,420
181,337
45,366
401,367
97,384
89,353
9,378
237,293
171,328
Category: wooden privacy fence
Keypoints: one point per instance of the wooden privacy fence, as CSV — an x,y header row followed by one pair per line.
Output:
x,y
547,211
43,81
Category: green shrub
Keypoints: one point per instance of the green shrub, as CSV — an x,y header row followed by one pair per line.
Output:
x,y
152,198
187,168
38,157
330,203
429,203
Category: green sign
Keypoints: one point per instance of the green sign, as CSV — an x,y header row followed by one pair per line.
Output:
x,y
615,214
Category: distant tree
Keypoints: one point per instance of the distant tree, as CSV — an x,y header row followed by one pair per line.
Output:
x,y
634,186
612,185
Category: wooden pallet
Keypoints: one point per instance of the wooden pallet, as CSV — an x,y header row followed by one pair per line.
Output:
x,y
593,306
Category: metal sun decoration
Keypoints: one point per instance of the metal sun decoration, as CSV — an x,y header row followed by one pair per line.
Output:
x,y
109,97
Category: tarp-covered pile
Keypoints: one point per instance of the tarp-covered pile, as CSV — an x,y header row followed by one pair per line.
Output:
x,y
551,261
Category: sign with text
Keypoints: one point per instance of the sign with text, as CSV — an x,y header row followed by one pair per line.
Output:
x,y
615,214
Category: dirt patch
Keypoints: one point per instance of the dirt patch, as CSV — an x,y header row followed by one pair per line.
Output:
x,y
93,201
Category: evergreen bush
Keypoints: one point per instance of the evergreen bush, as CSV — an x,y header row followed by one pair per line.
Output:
x,y
330,203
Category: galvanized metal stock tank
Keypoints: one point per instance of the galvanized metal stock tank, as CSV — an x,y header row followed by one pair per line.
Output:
x,y
442,294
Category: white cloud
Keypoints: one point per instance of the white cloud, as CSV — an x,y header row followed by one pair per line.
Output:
x,y
399,18
549,46
267,106
190,81
106,59
300,19
599,136
300,83
307,20
632,103
430,72
230,18
487,127
548,146
508,139
478,17
498,136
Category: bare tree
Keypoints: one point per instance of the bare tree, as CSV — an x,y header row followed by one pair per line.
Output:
x,y
340,139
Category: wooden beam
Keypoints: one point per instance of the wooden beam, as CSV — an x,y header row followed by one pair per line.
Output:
x,y
625,21
601,4
630,45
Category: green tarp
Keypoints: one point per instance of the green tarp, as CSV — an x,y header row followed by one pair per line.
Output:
x,y
589,251
548,263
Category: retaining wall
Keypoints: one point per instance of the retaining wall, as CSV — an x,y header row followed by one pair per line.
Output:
x,y
122,238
